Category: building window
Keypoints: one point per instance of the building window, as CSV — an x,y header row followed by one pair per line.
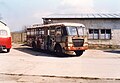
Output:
x,y
99,33
93,33
105,34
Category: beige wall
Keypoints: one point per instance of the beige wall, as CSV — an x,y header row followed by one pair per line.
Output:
x,y
18,37
113,24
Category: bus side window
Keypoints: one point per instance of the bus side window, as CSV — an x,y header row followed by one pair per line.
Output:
x,y
52,31
28,32
58,31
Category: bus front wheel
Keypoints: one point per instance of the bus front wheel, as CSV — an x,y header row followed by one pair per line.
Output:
x,y
58,50
79,53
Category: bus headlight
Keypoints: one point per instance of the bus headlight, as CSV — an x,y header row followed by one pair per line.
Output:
x,y
70,45
85,45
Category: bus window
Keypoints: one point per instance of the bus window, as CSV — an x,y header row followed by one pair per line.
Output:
x,y
76,31
52,31
72,30
41,32
32,32
28,33
81,31
58,31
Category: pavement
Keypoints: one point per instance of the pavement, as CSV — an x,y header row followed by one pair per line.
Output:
x,y
93,64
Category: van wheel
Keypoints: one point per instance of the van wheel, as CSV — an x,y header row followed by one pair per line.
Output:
x,y
58,50
79,53
1,50
8,50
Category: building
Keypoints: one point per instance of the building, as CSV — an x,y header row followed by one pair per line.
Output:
x,y
103,29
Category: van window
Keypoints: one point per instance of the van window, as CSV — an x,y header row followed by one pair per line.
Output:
x,y
3,33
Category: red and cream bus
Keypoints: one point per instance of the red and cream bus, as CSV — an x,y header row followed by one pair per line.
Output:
x,y
68,38
5,37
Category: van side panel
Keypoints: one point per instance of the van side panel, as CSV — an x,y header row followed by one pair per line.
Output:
x,y
5,42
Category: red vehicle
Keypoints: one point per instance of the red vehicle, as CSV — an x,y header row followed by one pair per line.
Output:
x,y
5,37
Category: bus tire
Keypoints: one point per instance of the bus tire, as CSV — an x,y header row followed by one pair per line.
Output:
x,y
58,50
8,50
33,45
79,53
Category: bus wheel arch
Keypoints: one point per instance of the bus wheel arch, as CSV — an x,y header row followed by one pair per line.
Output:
x,y
58,49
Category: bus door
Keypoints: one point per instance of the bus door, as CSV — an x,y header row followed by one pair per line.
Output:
x,y
41,38
51,38
58,34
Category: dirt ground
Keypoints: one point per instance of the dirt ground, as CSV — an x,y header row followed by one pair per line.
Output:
x,y
24,65
51,79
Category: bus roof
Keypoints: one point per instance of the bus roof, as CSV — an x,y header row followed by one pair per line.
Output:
x,y
66,24
58,24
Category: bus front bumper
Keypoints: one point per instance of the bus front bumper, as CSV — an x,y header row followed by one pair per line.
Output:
x,y
76,48
71,50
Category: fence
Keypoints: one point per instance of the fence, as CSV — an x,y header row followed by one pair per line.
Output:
x,y
18,37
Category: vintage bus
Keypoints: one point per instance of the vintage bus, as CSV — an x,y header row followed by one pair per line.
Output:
x,y
67,38
5,37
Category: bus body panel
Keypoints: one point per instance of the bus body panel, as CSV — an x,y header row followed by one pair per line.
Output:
x,y
54,37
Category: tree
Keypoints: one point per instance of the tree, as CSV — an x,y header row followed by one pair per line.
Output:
x,y
24,28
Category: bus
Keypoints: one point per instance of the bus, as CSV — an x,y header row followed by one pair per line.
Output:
x,y
5,37
62,38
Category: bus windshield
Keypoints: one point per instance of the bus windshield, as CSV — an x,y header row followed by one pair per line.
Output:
x,y
72,30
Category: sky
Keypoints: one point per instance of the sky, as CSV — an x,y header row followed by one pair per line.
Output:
x,y
19,13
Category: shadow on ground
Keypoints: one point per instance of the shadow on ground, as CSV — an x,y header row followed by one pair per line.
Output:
x,y
113,51
3,52
38,52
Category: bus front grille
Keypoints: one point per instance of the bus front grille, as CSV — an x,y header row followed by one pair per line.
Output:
x,y
78,42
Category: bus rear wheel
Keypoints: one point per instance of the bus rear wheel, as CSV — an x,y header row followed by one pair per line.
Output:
x,y
79,53
33,45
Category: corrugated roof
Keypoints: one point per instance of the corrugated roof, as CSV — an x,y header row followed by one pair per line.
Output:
x,y
83,16
56,24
